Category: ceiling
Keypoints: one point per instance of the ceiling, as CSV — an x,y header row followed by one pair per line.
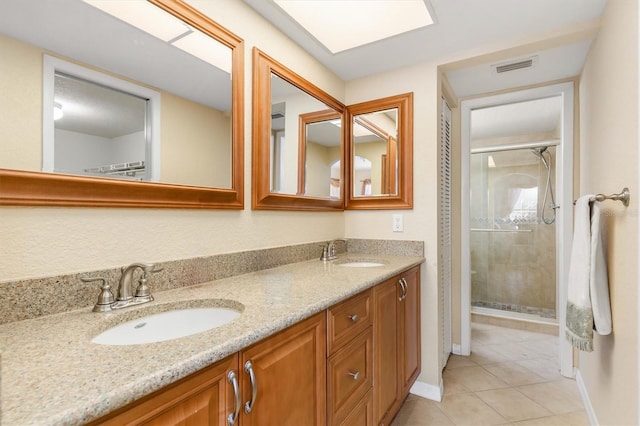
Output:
x,y
536,118
461,26
465,26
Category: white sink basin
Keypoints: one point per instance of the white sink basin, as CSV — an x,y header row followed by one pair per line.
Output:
x,y
166,326
360,264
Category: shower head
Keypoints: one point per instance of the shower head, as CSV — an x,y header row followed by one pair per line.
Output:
x,y
538,152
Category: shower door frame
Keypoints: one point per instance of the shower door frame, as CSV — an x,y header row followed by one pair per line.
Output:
x,y
564,220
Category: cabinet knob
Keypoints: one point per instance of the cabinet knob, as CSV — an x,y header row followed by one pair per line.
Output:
x,y
354,317
355,375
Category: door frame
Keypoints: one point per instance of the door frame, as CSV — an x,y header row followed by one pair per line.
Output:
x,y
564,219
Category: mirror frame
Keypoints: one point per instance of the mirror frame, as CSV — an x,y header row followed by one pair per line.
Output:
x,y
404,197
262,197
30,188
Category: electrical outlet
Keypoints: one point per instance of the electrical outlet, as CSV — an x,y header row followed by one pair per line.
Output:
x,y
398,225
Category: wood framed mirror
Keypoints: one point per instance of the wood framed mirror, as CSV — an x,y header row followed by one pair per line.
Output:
x,y
380,141
22,181
298,148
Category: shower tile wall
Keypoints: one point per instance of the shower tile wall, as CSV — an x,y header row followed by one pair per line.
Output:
x,y
510,270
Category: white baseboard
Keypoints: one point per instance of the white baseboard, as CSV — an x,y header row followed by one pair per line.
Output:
x,y
428,391
456,349
585,399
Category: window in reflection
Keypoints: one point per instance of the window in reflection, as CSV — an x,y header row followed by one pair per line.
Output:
x,y
100,131
98,125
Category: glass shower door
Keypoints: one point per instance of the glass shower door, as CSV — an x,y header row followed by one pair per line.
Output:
x,y
513,253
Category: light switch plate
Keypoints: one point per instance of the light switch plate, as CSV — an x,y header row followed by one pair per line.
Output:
x,y
398,223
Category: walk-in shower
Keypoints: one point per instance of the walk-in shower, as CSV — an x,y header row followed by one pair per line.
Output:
x,y
513,245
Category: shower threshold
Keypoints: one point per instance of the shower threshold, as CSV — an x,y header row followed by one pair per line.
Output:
x,y
513,314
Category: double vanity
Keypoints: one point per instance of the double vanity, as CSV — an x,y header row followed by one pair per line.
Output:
x,y
312,342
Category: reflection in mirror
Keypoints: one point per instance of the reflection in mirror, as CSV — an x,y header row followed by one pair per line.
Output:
x,y
319,153
381,153
189,133
82,147
298,146
101,126
289,105
374,140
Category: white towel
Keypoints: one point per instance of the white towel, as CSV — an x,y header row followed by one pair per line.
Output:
x,y
588,305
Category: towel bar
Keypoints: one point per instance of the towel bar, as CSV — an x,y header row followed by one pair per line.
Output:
x,y
623,196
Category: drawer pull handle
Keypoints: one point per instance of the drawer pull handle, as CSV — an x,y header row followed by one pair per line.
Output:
x,y
354,317
354,375
233,417
248,406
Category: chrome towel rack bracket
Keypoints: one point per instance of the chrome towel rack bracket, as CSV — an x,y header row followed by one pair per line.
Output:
x,y
623,196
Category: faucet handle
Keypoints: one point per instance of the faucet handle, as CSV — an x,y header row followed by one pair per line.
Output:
x,y
143,292
105,299
325,252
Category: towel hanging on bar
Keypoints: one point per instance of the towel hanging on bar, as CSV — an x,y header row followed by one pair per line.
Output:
x,y
588,304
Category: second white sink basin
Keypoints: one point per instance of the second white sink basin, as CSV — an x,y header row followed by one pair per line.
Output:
x,y
166,326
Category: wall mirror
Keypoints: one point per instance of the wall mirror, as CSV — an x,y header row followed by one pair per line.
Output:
x,y
298,155
381,153
144,109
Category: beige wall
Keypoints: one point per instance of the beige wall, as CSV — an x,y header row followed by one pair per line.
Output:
x,y
194,155
21,105
40,242
318,168
421,222
372,151
609,161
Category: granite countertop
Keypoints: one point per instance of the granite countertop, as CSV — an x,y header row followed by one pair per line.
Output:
x,y
51,373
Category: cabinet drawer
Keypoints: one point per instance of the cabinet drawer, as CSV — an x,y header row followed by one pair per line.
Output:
x,y
350,376
347,319
362,413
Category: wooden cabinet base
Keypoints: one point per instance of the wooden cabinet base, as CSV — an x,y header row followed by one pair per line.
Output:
x,y
200,399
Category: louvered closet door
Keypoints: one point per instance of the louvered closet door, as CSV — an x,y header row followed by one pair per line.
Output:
x,y
444,273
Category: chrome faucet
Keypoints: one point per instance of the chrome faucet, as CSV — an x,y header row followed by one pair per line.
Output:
x,y
329,251
125,297
125,292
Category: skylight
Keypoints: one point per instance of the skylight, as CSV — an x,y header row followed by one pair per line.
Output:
x,y
345,24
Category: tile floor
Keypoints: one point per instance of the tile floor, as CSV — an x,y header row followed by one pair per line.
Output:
x,y
511,378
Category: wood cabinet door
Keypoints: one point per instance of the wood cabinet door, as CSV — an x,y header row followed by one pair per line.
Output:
x,y
203,399
386,384
289,371
409,331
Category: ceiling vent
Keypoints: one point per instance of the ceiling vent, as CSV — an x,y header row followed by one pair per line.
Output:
x,y
277,110
513,66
